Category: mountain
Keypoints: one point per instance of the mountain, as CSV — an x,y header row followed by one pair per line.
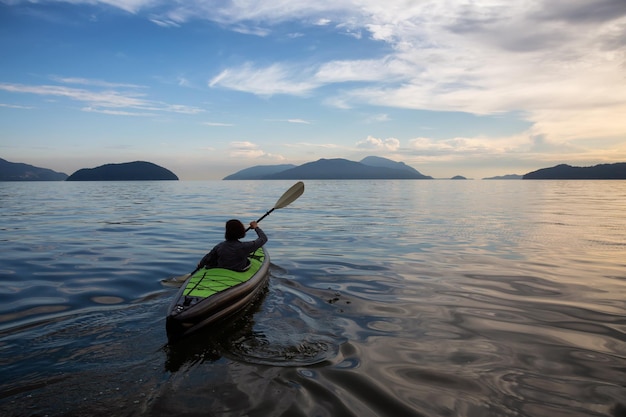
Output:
x,y
342,169
377,161
369,168
258,172
567,172
505,177
16,171
128,171
458,177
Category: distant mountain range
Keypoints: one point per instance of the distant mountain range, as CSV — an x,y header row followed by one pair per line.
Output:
x,y
259,172
567,172
506,177
128,171
17,171
372,167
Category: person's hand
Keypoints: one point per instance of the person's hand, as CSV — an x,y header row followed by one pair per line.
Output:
x,y
253,225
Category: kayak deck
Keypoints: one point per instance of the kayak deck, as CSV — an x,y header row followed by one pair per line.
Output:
x,y
207,282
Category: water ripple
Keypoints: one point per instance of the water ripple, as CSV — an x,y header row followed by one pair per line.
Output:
x,y
433,298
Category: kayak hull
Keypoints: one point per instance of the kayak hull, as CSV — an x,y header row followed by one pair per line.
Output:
x,y
211,295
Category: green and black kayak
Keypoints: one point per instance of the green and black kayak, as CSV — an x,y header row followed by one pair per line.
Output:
x,y
212,294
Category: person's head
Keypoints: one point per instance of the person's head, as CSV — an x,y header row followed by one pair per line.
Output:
x,y
234,230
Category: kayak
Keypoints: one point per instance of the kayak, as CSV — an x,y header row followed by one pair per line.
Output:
x,y
213,294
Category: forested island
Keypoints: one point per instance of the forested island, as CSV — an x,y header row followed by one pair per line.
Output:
x,y
567,172
128,171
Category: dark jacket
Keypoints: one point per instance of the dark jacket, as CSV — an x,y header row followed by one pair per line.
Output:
x,y
233,254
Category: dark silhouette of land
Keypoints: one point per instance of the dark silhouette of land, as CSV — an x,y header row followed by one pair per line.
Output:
x,y
17,171
567,172
371,167
128,171
506,177
258,172
336,169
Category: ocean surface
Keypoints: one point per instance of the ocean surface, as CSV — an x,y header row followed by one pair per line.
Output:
x,y
385,298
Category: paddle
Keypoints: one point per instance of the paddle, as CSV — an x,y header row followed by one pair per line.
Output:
x,y
287,198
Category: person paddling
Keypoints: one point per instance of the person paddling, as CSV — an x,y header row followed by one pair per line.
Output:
x,y
232,253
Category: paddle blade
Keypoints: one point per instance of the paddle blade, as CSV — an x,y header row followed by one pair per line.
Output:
x,y
290,195
175,281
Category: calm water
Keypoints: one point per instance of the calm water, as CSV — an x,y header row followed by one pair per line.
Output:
x,y
390,298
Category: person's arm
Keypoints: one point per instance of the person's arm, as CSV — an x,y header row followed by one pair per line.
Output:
x,y
259,241
262,238
209,260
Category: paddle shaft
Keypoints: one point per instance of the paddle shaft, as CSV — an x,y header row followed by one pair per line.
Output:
x,y
262,217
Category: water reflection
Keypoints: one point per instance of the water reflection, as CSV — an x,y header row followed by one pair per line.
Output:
x,y
397,298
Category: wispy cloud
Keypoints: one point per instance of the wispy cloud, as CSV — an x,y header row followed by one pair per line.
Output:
x,y
116,112
266,81
217,124
15,106
92,82
295,121
109,101
378,118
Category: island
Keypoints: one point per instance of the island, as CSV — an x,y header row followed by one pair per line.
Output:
x,y
615,171
17,171
128,171
258,172
371,167
505,177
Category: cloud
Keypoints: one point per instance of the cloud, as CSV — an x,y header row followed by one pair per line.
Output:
x,y
131,6
164,23
383,70
116,112
296,121
92,82
474,146
378,118
249,150
109,101
250,30
218,124
548,60
265,81
15,106
313,145
583,11
560,63
389,144
299,80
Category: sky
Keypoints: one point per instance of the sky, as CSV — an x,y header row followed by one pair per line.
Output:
x,y
477,88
